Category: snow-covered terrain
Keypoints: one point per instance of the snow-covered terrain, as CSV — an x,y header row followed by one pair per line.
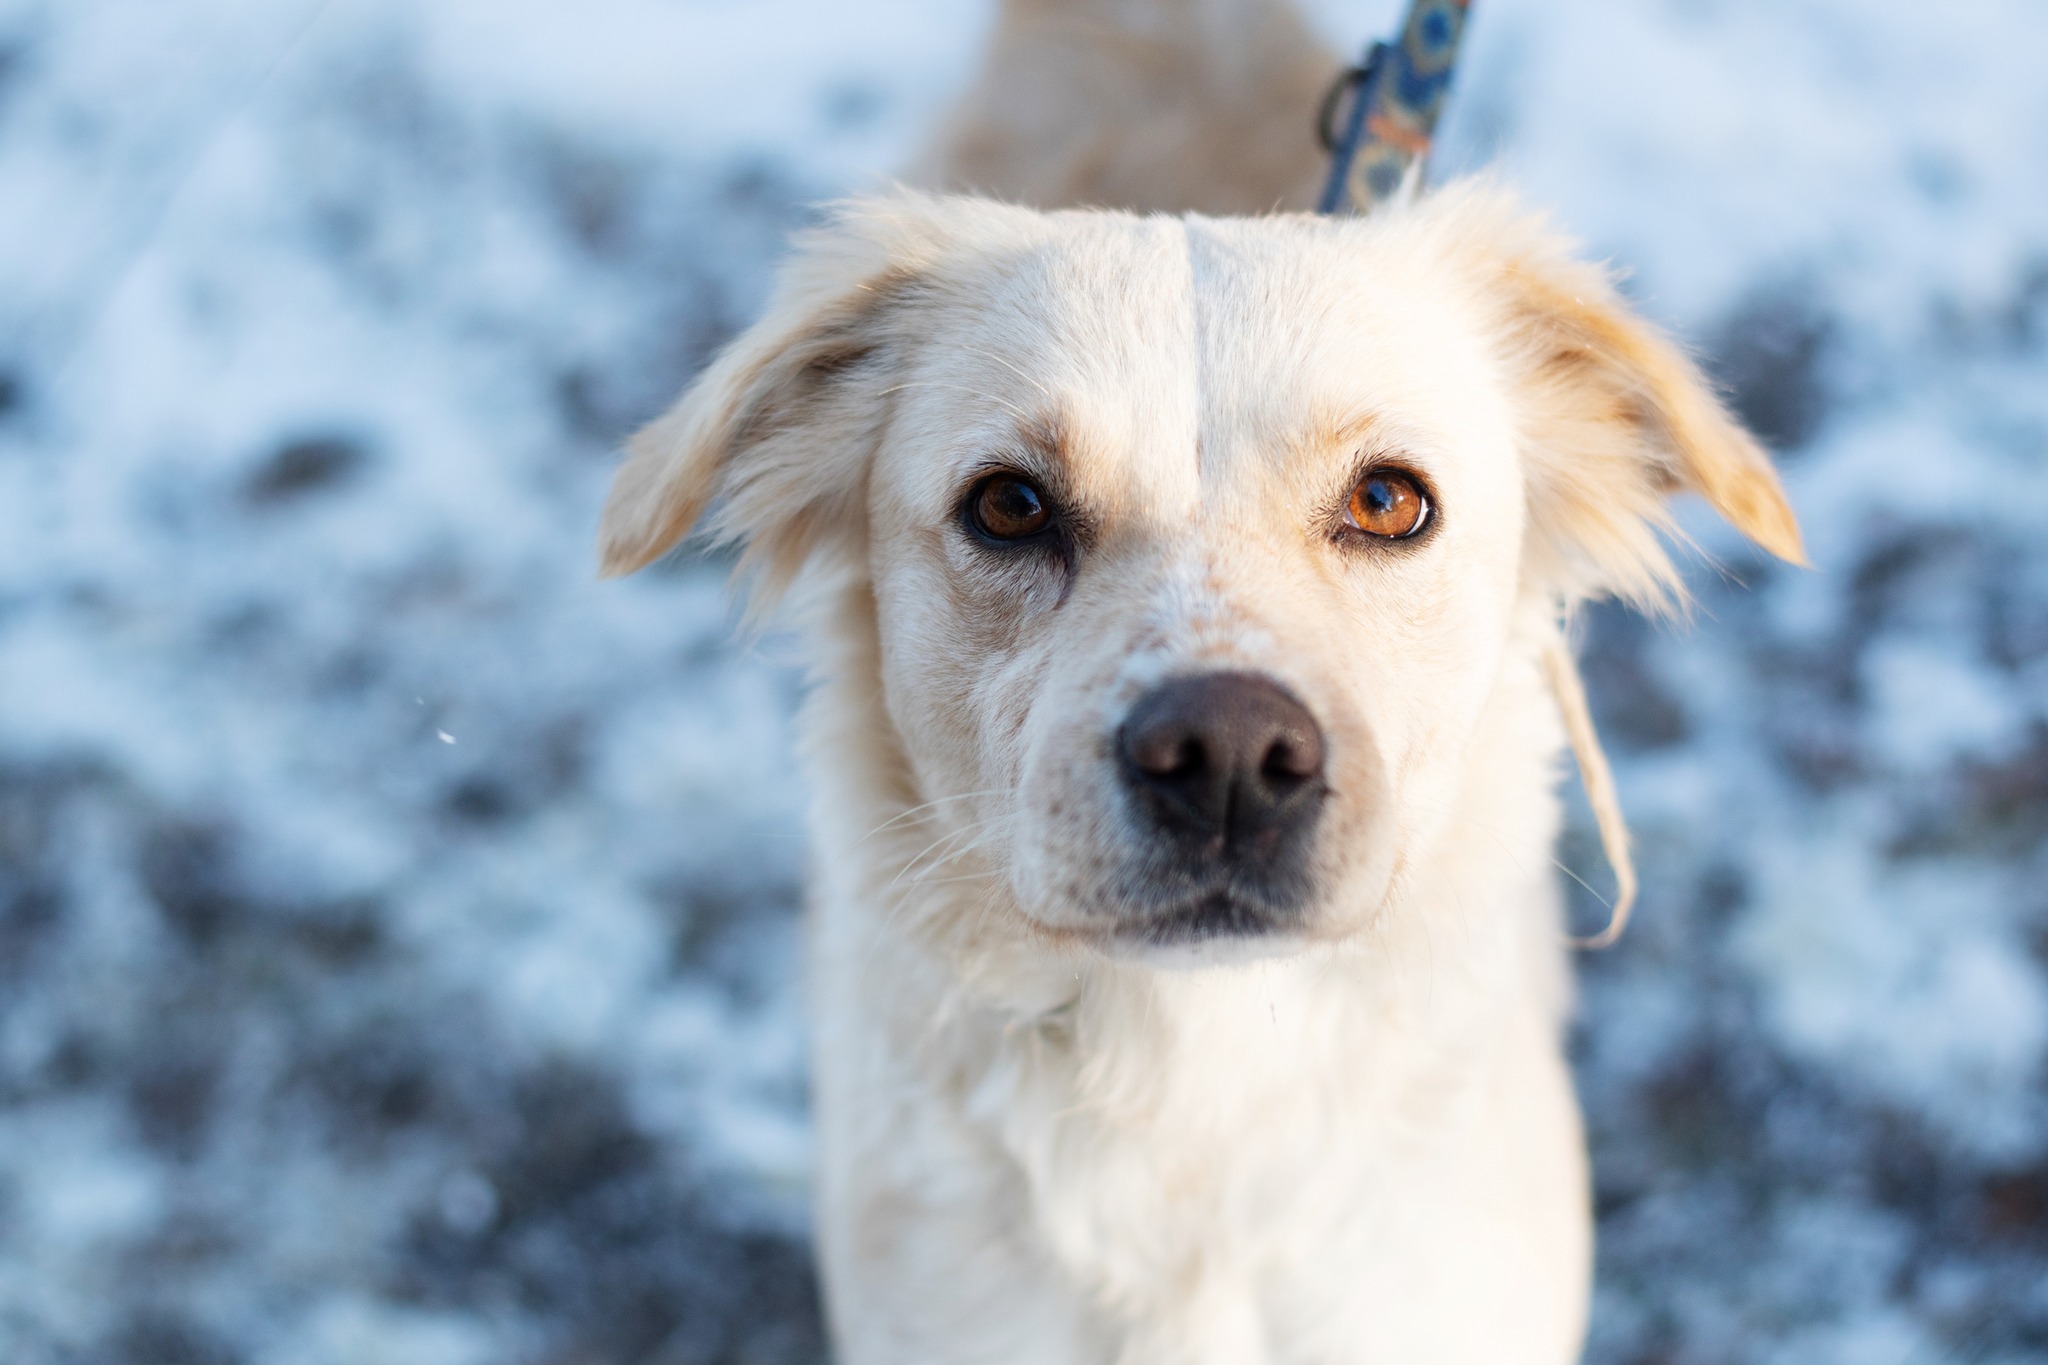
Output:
x,y
397,950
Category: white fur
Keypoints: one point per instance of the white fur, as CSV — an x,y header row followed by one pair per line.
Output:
x,y
1038,1143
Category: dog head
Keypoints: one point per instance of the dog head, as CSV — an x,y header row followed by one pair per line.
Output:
x,y
1194,546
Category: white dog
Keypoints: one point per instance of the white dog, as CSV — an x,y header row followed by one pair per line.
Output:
x,y
1188,967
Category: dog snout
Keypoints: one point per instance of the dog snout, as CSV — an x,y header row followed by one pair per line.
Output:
x,y
1229,763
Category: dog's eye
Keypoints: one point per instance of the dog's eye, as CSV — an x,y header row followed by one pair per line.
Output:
x,y
1388,503
1006,507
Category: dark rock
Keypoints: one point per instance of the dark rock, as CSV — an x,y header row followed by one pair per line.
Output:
x,y
2026,316
1994,807
158,1337
2013,1205
187,867
595,195
1701,1114
30,910
340,935
173,1080
303,466
612,1250
14,66
482,799
1631,705
371,1079
1771,355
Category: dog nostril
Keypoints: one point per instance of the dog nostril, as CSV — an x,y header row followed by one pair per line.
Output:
x,y
1292,759
1163,754
1226,760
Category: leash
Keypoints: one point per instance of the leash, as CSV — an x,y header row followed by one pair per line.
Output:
x,y
1562,672
1389,105
1376,123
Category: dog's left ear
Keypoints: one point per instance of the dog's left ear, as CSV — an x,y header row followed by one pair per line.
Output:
x,y
777,432
1615,417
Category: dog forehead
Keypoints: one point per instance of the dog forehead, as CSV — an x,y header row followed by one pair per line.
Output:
x,y
1193,358
1306,326
1091,301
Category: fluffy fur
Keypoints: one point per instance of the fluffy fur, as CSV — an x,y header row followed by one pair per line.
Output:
x,y
1041,1141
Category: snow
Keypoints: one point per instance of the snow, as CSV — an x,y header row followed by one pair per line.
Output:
x,y
398,956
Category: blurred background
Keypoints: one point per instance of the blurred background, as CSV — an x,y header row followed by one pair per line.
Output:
x,y
397,942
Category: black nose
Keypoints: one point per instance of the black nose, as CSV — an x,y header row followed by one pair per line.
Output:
x,y
1230,763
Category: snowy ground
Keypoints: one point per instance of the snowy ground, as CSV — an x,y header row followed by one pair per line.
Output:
x,y
396,941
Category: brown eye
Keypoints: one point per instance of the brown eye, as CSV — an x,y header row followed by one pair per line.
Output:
x,y
1009,508
1388,503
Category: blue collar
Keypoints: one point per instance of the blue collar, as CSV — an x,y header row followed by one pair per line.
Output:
x,y
1389,107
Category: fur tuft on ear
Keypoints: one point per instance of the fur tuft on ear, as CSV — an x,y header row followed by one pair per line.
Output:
x,y
1615,416
778,430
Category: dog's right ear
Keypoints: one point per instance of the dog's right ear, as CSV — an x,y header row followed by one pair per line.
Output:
x,y
777,432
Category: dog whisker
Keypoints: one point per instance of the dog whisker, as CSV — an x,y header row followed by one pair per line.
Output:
x,y
990,875
935,802
974,845
976,836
